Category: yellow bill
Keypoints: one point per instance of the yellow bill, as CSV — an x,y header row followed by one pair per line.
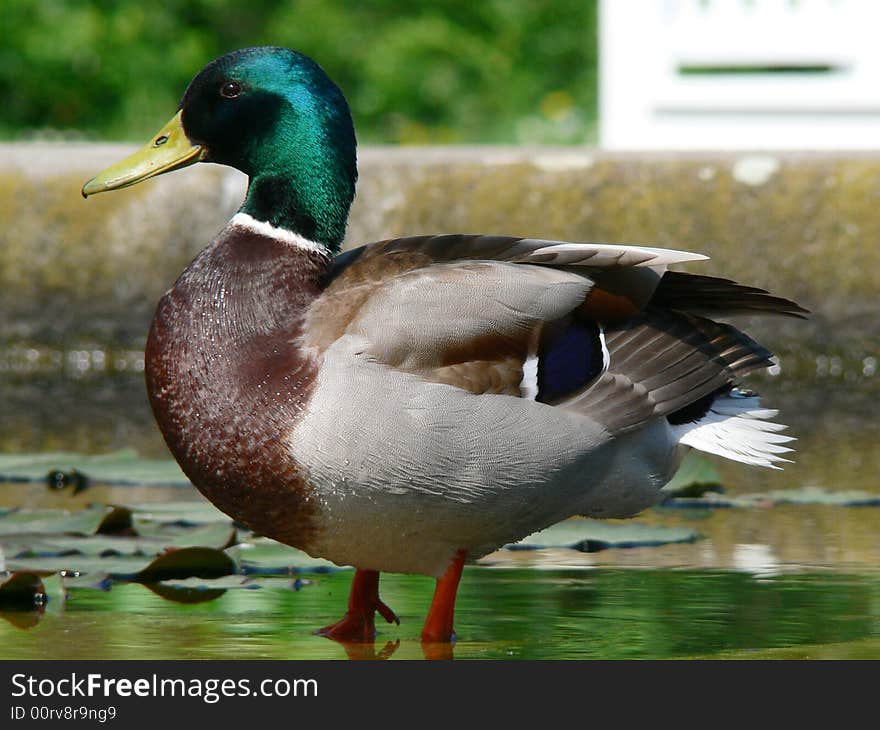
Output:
x,y
168,150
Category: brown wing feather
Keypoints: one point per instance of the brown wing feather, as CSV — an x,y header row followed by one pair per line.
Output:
x,y
462,246
502,375
627,279
661,360
445,309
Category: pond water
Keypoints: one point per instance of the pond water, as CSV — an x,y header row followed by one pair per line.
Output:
x,y
788,581
502,614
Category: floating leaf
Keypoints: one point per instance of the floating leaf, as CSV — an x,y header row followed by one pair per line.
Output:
x,y
593,535
119,567
182,563
262,556
202,590
117,521
24,597
22,591
710,501
185,595
696,476
84,522
188,562
185,513
100,542
119,467
815,495
55,546
804,496
218,536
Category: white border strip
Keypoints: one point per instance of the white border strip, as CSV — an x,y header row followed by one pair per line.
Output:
x,y
263,228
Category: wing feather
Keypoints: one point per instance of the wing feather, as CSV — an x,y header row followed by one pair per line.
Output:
x,y
466,310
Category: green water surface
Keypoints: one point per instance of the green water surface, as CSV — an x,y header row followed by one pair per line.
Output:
x,y
502,614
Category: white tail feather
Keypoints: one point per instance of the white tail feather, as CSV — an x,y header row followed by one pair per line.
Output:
x,y
735,427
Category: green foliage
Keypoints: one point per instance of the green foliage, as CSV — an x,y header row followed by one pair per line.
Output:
x,y
446,71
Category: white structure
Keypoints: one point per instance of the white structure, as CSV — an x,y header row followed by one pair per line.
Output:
x,y
740,74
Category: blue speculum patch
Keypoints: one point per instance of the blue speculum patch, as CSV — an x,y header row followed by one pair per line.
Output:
x,y
569,359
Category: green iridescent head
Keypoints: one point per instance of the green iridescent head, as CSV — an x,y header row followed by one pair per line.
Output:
x,y
275,115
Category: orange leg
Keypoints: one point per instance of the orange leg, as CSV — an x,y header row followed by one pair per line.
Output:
x,y
358,624
438,625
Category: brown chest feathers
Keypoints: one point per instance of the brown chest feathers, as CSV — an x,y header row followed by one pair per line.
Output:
x,y
228,381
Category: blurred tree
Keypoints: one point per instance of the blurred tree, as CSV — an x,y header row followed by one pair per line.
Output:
x,y
444,71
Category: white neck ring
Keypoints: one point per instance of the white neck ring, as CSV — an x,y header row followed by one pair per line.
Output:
x,y
263,228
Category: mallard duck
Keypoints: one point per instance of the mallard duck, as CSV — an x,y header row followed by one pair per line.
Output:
x,y
416,403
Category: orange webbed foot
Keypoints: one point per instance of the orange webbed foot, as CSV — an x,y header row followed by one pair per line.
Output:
x,y
354,628
358,625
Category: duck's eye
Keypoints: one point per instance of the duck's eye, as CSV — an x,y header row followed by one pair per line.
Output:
x,y
230,89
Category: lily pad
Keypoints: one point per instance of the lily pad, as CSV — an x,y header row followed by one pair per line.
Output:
x,y
591,536
116,521
815,495
217,536
184,513
192,561
195,562
24,597
185,595
21,591
56,546
95,519
696,476
265,557
74,543
119,567
118,467
710,500
202,590
804,496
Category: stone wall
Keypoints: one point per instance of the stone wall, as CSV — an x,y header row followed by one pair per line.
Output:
x,y
804,225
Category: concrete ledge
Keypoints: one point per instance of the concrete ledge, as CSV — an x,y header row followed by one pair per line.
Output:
x,y
804,225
